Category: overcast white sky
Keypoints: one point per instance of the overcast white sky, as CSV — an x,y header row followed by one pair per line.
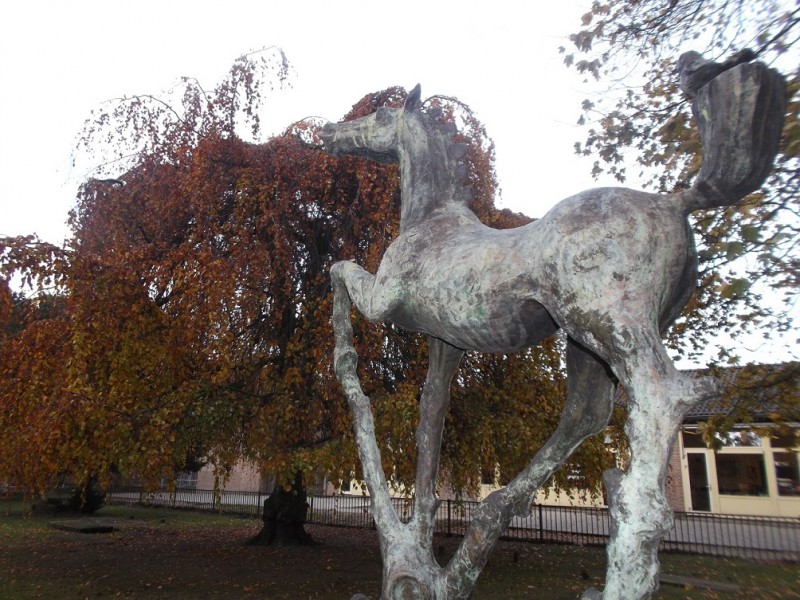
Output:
x,y
59,60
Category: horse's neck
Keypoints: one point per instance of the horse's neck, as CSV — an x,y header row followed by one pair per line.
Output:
x,y
426,184
453,212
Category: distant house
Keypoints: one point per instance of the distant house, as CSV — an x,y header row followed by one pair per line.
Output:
x,y
755,468
243,477
750,475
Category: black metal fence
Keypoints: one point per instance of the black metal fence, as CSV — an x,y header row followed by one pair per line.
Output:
x,y
238,503
760,538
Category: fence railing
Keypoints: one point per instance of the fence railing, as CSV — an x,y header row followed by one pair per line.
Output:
x,y
760,538
240,503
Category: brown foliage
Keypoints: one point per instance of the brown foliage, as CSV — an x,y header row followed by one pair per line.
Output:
x,y
196,303
642,124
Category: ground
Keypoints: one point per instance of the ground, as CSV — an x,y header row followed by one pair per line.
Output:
x,y
160,554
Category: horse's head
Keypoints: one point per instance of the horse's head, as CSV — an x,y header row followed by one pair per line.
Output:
x,y
432,172
376,136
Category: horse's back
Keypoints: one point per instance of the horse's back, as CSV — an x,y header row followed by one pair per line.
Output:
x,y
501,290
611,252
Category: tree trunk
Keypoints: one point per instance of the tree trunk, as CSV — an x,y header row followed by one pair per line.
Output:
x,y
284,517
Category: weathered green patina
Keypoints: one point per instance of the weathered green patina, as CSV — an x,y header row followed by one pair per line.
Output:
x,y
612,267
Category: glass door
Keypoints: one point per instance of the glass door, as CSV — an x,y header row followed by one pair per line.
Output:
x,y
698,481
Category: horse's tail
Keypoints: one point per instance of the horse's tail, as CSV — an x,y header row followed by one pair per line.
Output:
x,y
740,114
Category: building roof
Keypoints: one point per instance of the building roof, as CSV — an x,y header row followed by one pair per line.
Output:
x,y
761,390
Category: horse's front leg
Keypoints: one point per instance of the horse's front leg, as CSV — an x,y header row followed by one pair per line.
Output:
x,y
352,282
361,288
442,365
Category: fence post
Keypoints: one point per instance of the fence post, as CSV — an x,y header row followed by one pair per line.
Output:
x,y
541,523
449,519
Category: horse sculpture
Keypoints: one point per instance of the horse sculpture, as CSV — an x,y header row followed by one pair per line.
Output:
x,y
612,267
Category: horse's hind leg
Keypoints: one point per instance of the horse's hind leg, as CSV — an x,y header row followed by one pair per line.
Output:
x,y
590,396
590,393
658,397
590,400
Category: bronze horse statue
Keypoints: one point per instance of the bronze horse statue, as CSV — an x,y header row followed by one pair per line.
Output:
x,y
612,267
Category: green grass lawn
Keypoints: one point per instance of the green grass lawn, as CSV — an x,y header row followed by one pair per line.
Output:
x,y
163,553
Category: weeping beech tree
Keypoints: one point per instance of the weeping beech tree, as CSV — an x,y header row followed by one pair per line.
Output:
x,y
194,308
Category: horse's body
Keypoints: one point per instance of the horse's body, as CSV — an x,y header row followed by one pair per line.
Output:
x,y
613,267
508,289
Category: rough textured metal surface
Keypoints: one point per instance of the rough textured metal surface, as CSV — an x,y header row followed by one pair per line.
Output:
x,y
612,267
735,113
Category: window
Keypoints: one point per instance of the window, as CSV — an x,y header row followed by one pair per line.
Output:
x,y
731,439
488,475
740,439
693,439
187,480
787,474
741,474
787,441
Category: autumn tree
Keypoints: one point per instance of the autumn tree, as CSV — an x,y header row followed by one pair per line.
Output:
x,y
33,357
640,124
146,393
196,307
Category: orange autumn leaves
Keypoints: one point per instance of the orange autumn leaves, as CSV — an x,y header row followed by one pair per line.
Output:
x,y
188,316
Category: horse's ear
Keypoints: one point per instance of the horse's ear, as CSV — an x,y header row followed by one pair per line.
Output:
x,y
412,101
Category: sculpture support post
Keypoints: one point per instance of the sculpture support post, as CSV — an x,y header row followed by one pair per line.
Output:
x,y
443,362
640,515
659,396
344,363
409,569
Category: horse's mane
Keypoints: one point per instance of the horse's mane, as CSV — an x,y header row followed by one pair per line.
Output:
x,y
439,119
